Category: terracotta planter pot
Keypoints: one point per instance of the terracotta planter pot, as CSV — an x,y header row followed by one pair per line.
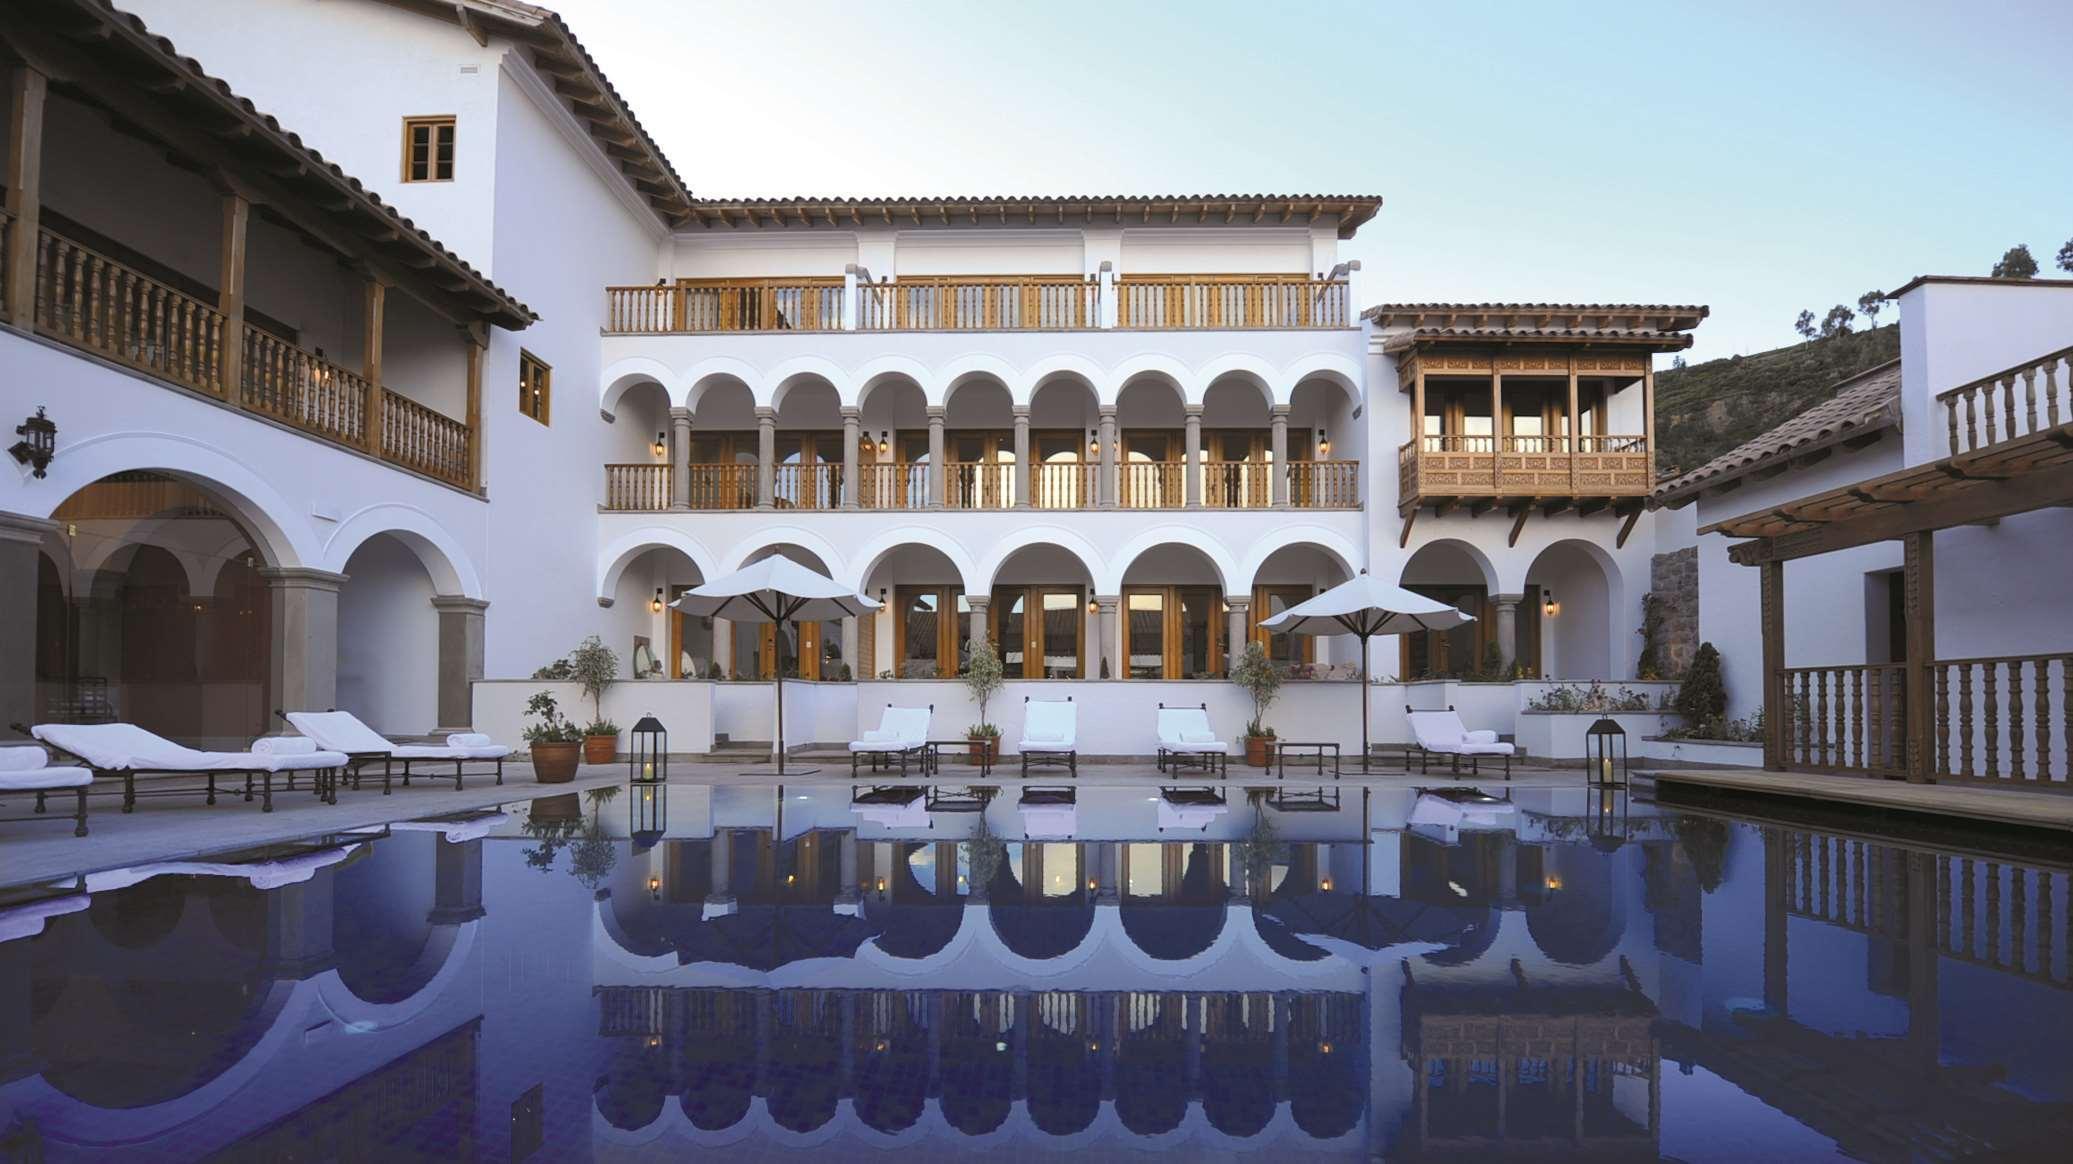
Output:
x,y
600,749
555,763
567,806
1259,750
985,751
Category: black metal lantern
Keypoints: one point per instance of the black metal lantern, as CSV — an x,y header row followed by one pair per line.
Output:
x,y
1605,753
39,442
1609,818
647,819
647,762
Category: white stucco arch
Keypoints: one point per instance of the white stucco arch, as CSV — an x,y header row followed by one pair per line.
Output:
x,y
614,558
738,555
997,555
1475,554
1180,535
1260,548
1610,610
881,370
209,566
1241,366
282,538
779,379
1331,366
1062,364
451,570
969,367
629,373
701,376
865,558
1147,363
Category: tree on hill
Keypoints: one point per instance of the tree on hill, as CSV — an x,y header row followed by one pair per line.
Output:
x,y
1804,325
2066,256
2018,263
1837,321
1869,305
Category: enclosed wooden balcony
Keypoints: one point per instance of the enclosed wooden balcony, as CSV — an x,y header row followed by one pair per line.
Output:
x,y
1482,468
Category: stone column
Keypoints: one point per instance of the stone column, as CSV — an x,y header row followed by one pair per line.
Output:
x,y
460,659
21,539
1109,605
1508,626
939,476
1025,473
1191,466
850,419
850,645
848,891
1279,443
1241,629
719,899
456,883
304,667
298,929
1109,891
1106,484
723,645
766,458
680,458
980,604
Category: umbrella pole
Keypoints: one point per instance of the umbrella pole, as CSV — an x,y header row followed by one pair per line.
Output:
x,y
780,688
1363,704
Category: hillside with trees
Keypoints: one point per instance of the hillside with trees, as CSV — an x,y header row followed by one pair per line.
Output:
x,y
1703,410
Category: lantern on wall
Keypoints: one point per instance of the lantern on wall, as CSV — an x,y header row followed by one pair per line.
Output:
x,y
39,442
661,445
1324,445
647,761
1605,753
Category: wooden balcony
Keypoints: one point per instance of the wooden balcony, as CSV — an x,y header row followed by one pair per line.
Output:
x,y
1231,301
1026,303
91,302
1443,471
2008,402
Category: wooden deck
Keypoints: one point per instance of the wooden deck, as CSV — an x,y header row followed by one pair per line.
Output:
x,y
2036,810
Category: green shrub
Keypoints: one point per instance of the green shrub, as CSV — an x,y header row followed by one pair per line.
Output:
x,y
1702,697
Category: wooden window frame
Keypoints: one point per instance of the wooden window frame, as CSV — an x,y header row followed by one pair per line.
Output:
x,y
1292,594
432,124
535,400
1483,628
1033,624
1170,629
946,628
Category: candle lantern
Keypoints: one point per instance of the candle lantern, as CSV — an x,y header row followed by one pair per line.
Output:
x,y
647,817
1608,821
648,760
1605,753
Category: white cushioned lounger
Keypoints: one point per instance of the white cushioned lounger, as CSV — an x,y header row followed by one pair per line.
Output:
x,y
902,732
1443,733
28,769
344,732
128,751
1050,733
1185,737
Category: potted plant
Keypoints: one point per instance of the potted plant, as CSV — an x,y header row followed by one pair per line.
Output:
x,y
596,667
555,741
1255,673
983,677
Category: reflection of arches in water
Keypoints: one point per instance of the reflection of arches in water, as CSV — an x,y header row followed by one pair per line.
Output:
x,y
892,1060
1173,932
237,909
387,956
131,1043
1151,1064
917,931
1042,931
1581,922
630,1092
718,1058
1237,1062
1325,1090
977,1067
1064,1081
142,915
805,1057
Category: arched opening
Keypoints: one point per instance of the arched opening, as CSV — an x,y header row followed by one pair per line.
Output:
x,y
893,449
1292,574
630,1092
1064,1078
381,930
925,628
1566,614
1174,897
892,1077
977,1068
1579,924
806,464
1039,902
665,643
1064,423
1460,575
1238,1062
718,1058
720,464
1151,447
640,447
805,1059
388,639
1151,1064
1039,615
979,445
1175,622
798,650
166,622
1325,444
1237,458
1325,1091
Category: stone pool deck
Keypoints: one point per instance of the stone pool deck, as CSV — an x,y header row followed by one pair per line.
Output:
x,y
1990,806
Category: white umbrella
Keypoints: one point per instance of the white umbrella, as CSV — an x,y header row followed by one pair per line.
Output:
x,y
1366,607
775,590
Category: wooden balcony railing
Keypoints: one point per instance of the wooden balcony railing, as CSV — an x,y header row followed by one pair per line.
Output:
x,y
7,233
2004,720
1846,719
979,485
721,485
1214,301
1237,484
2008,402
638,487
417,437
1455,465
894,485
959,304
93,302
809,486
1062,485
1150,485
1324,484
723,305
289,384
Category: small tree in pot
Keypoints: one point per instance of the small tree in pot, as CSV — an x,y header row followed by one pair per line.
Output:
x,y
1256,673
984,678
596,667
555,741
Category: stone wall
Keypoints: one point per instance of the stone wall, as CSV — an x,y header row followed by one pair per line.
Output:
x,y
1674,580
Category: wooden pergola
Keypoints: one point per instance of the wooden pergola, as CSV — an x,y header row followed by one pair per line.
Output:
x,y
1896,719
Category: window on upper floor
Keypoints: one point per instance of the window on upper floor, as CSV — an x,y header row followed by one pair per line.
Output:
x,y
535,386
428,149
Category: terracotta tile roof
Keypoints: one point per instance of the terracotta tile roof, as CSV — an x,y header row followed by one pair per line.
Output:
x,y
1537,308
1658,326
1351,210
184,90
1867,403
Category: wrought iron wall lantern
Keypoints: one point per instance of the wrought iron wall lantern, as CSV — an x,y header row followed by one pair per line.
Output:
x,y
39,442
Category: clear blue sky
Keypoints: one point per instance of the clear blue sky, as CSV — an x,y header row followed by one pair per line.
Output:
x,y
1759,157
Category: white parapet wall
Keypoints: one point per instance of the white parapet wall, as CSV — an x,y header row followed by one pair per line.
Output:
x,y
1559,735
683,706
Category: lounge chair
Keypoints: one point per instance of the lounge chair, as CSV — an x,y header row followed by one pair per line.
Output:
x,y
30,770
126,751
342,731
1052,813
1442,733
1186,739
1050,735
902,734
892,806
1190,808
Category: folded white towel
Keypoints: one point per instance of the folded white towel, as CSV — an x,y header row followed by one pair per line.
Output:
x,y
22,759
284,745
1044,737
877,735
1198,737
468,740
1479,736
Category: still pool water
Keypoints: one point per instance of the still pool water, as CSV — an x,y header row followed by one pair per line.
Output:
x,y
659,973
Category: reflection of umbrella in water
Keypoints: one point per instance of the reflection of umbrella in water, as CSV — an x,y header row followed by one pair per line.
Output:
x,y
764,937
1374,923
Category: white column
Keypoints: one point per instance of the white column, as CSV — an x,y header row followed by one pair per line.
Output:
x,y
1279,444
680,458
766,458
1241,628
939,476
1109,457
850,419
1025,473
1508,626
1111,646
849,297
1191,467
304,664
460,659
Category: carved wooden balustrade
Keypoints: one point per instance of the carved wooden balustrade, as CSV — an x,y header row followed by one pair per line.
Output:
x,y
420,438
1063,485
894,485
806,486
1237,301
2011,403
1150,485
2004,720
1846,719
1324,484
1237,484
723,485
90,301
289,384
979,485
965,304
1523,466
637,487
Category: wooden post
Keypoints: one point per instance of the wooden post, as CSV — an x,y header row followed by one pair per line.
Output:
x,y
1918,580
370,362
1575,429
1771,585
478,350
26,90
1496,426
1648,413
230,296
